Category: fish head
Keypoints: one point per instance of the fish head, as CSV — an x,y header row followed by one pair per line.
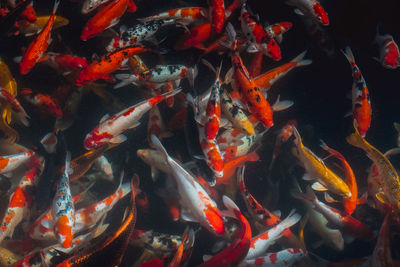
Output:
x,y
391,60
95,139
321,14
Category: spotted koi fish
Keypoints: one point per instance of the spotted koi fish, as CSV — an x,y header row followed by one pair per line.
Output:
x,y
101,69
42,101
39,45
105,18
259,39
19,204
138,34
389,54
12,162
286,257
311,9
186,15
15,106
203,209
111,128
361,103
277,30
158,74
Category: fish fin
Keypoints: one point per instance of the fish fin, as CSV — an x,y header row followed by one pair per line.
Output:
x,y
136,124
310,196
307,177
209,65
225,123
105,117
192,74
230,42
56,4
186,216
228,76
300,61
318,187
348,114
230,205
158,145
329,199
277,213
279,39
382,198
291,219
126,79
68,168
118,139
113,22
298,12
17,59
363,198
154,173
252,48
349,55
47,223
199,157
282,105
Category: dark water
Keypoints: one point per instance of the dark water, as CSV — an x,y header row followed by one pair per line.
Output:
x,y
318,91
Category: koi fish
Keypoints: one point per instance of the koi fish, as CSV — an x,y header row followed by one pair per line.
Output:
x,y
286,257
260,243
389,55
42,101
283,136
32,28
256,64
350,203
203,209
235,252
341,220
19,204
12,162
90,5
39,45
63,62
158,74
267,79
15,106
311,9
388,175
101,69
217,14
197,35
360,96
111,128
185,15
164,243
105,18
154,159
259,39
138,34
277,30
29,14
316,169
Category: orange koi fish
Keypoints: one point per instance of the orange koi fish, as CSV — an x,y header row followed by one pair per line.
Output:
x,y
360,96
237,251
42,101
217,14
389,55
101,69
107,17
39,45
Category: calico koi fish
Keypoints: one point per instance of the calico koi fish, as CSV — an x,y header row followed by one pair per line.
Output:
x,y
185,15
259,39
286,257
348,224
19,204
5,96
31,28
12,162
260,243
203,209
217,14
311,9
101,69
39,45
388,175
158,74
316,169
235,252
277,30
138,34
105,18
389,54
111,128
42,101
267,79
361,103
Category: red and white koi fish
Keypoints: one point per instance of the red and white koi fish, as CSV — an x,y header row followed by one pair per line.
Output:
x,y
42,101
287,257
19,204
105,18
15,105
63,62
283,136
90,5
11,162
185,15
63,209
361,103
267,79
259,39
277,30
235,252
389,55
158,74
111,128
39,45
260,243
341,220
311,9
203,209
217,14
101,69
350,203
136,35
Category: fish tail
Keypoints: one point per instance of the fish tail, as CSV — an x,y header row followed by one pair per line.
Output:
x,y
192,73
230,205
355,140
349,55
125,78
157,144
291,219
240,179
68,169
231,41
297,136
300,61
56,4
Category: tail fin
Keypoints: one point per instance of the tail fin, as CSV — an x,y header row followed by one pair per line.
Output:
x,y
56,4
125,78
240,180
231,41
355,138
157,144
301,61
291,219
192,74
68,169
349,55
297,140
230,205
